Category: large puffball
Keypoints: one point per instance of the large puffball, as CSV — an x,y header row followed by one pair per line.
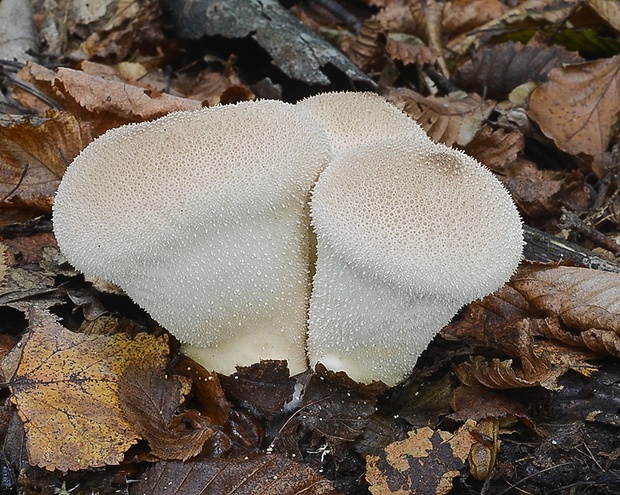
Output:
x,y
408,232
201,217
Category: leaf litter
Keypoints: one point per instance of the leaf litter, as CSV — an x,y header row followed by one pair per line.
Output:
x,y
525,380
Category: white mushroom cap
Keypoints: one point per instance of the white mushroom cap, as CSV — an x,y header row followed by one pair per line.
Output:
x,y
407,233
201,217
353,119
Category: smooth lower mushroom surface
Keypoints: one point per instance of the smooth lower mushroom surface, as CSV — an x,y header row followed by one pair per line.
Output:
x,y
201,218
408,232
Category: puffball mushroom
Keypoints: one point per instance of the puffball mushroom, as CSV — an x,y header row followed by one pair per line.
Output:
x,y
408,232
201,217
353,119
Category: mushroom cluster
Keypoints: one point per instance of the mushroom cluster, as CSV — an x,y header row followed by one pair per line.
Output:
x,y
331,231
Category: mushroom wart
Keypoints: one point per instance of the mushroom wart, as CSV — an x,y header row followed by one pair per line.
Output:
x,y
204,219
201,217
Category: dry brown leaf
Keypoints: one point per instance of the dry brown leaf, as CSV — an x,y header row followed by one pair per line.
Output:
x,y
25,287
258,474
494,373
397,17
132,24
263,388
455,119
609,10
66,392
578,107
407,51
465,15
428,18
426,462
550,363
149,400
214,86
484,319
582,298
477,403
541,194
495,148
39,77
33,159
517,64
529,14
101,104
367,49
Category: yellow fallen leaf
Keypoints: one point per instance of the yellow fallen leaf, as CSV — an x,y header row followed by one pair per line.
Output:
x,y
66,392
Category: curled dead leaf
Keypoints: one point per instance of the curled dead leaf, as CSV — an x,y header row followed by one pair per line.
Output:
x,y
518,64
454,119
150,401
33,158
582,298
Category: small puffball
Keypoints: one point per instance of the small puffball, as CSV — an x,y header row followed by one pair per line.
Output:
x,y
408,232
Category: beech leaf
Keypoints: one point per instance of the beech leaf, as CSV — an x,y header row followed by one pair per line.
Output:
x,y
264,474
578,107
582,298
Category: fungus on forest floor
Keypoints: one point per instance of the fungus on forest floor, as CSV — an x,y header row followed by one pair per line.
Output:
x,y
203,219
408,232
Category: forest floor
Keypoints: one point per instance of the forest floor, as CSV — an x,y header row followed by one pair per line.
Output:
x,y
520,393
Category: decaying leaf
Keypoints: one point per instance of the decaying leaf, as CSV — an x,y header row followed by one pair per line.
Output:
x,y
66,392
516,63
263,388
367,49
131,24
409,50
609,10
578,108
587,301
541,194
495,148
100,103
33,158
25,287
426,462
149,400
582,298
529,14
264,474
478,403
466,15
334,412
455,119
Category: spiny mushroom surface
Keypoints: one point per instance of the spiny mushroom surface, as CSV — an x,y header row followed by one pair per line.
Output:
x,y
201,217
353,119
408,232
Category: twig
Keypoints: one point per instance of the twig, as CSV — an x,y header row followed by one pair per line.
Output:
x,y
569,220
341,13
19,183
512,487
